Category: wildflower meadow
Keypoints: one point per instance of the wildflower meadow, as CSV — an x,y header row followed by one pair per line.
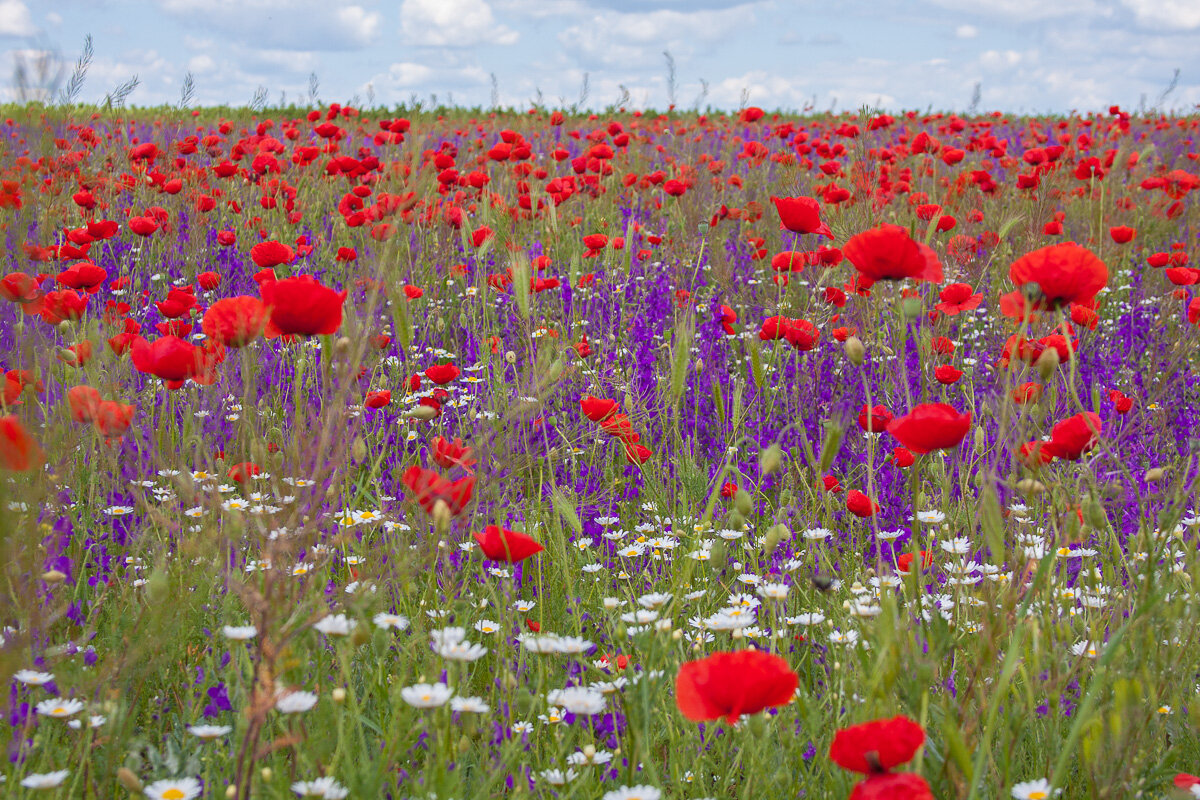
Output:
x,y
449,453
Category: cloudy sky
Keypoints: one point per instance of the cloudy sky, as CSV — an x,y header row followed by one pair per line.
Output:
x,y
1026,55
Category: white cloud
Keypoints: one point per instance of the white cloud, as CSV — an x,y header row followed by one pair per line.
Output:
x,y
1024,10
281,24
1172,14
613,38
966,31
452,23
201,65
1000,60
15,19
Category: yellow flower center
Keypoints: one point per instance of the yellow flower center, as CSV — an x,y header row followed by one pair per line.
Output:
x,y
173,794
59,710
1038,796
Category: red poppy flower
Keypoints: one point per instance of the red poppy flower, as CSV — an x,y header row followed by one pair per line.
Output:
x,y
442,373
947,374
113,418
636,453
167,357
619,427
500,544
727,685
877,746
62,305
727,316
892,786
878,420
773,328
449,454
801,334
1122,234
243,471
208,280
18,451
1028,392
860,505
1074,436
17,287
235,321
957,298
889,253
597,409
302,306
84,275
902,457
84,402
1058,275
930,426
143,226
270,254
427,488
378,399
801,215
830,483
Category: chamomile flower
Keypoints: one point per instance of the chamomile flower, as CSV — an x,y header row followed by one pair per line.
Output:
x,y
31,677
239,633
44,780
633,793
295,702
180,789
426,695
336,625
396,621
326,787
1034,790
207,732
59,708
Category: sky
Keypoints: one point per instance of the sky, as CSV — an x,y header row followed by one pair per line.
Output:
x,y
1031,56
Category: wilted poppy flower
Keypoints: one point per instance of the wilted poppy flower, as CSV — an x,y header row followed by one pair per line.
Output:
x,y
889,253
270,254
1074,436
930,426
302,306
877,746
500,544
860,505
18,451
801,215
728,685
597,409
235,321
1059,274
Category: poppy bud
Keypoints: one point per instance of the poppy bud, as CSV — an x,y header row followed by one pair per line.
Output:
x,y
358,451
1047,362
510,357
980,440
736,520
126,778
421,412
770,459
856,352
54,576
338,695
1155,475
910,307
775,536
1030,486
67,356
742,502
341,347
718,555
699,365
441,517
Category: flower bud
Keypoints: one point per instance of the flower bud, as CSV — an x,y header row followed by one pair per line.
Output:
x,y
358,450
67,356
266,773
1047,362
910,307
338,695
743,502
130,781
769,459
421,412
735,520
775,537
230,792
54,576
441,517
1030,486
856,351
510,357
1155,474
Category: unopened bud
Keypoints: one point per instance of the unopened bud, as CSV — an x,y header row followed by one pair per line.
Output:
x,y
735,520
510,357
743,502
441,517
775,537
54,576
358,450
132,782
341,347
266,773
1030,486
910,307
338,695
1047,362
699,365
1155,475
856,351
770,459
421,412
67,356
230,792
718,554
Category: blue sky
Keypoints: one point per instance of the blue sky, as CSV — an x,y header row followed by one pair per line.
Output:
x,y
1027,55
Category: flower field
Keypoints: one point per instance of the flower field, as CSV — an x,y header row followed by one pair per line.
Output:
x,y
452,454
